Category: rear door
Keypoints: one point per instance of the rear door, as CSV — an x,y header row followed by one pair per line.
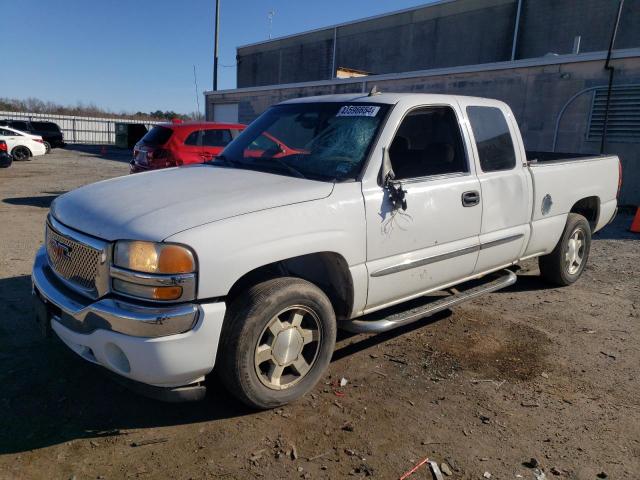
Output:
x,y
191,150
213,142
504,184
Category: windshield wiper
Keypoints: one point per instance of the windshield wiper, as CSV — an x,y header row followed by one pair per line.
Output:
x,y
223,161
291,169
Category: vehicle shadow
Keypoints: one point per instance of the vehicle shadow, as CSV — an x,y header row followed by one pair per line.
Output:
x,y
50,396
43,201
106,152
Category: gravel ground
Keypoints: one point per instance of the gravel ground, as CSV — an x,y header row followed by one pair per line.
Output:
x,y
528,372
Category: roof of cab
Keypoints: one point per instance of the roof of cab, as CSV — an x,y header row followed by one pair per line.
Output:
x,y
389,98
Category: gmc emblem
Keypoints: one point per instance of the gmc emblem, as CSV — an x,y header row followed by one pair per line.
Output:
x,y
60,249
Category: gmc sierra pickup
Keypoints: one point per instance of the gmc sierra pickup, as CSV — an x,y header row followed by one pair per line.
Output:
x,y
250,263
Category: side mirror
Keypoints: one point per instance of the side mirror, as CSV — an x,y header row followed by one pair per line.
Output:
x,y
395,192
386,171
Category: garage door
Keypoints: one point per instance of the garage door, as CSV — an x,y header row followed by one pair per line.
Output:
x,y
225,112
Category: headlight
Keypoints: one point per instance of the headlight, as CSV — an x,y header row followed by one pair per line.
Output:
x,y
154,271
152,257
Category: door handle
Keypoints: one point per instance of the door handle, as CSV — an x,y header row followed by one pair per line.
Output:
x,y
470,199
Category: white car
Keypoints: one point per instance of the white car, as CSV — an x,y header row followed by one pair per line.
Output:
x,y
250,263
22,145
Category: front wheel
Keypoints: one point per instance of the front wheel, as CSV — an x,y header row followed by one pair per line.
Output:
x,y
564,265
47,147
277,342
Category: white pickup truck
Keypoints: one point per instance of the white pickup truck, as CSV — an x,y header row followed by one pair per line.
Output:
x,y
324,213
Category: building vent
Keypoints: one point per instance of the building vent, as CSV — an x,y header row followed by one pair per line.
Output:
x,y
623,123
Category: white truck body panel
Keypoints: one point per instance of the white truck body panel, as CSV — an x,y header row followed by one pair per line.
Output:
x,y
244,243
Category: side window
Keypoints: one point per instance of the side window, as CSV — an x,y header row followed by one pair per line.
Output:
x,y
427,143
20,126
493,139
193,138
263,143
216,138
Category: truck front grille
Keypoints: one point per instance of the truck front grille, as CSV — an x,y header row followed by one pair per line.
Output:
x,y
72,260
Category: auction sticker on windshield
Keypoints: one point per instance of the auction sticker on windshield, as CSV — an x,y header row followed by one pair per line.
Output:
x,y
358,111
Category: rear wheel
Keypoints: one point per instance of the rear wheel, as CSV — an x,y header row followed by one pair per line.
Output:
x,y
47,146
564,265
278,340
21,153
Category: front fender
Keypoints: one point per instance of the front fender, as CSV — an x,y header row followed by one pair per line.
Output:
x,y
231,248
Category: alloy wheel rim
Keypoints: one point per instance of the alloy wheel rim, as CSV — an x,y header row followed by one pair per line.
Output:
x,y
288,347
574,253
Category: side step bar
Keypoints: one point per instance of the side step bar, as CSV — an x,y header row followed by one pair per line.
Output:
x,y
373,323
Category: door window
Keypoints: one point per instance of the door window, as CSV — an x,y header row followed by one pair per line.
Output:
x,y
493,139
216,138
428,143
194,138
8,133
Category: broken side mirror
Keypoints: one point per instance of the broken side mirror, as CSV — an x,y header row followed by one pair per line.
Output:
x,y
395,193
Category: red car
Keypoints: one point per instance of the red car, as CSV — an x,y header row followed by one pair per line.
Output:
x,y
175,144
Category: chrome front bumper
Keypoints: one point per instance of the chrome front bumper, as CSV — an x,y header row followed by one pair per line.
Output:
x,y
83,315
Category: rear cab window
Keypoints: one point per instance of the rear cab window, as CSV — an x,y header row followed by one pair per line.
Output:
x,y
158,135
493,138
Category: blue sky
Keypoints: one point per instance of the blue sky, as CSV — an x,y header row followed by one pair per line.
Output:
x,y
130,55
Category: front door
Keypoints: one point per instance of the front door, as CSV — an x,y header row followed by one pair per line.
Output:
x,y
435,241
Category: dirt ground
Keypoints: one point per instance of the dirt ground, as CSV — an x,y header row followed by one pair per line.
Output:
x,y
528,372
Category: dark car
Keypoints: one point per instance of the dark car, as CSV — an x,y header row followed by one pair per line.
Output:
x,y
5,157
49,131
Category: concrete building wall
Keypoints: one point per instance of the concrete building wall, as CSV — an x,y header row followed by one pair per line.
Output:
x,y
446,34
550,26
535,90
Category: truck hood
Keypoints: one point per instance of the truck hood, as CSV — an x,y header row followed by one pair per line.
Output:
x,y
155,205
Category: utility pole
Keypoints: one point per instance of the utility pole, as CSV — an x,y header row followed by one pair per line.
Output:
x,y
215,47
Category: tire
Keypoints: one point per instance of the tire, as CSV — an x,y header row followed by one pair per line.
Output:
x,y
7,163
565,264
263,369
47,146
20,154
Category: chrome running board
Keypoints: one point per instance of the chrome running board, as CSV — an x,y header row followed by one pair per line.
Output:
x,y
378,322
